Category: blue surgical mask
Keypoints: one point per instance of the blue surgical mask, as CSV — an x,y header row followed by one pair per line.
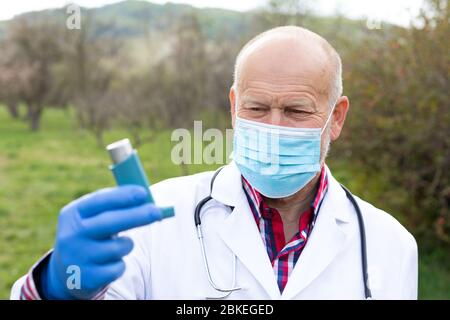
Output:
x,y
277,161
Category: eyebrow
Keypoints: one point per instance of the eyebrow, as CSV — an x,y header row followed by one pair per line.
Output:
x,y
300,102
255,99
296,102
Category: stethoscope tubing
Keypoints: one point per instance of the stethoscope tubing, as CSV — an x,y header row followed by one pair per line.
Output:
x,y
362,233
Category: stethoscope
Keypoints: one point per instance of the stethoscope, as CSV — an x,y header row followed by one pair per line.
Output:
x,y
228,291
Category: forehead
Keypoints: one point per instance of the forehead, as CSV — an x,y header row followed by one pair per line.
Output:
x,y
285,63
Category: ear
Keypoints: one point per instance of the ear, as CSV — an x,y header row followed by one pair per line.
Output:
x,y
232,97
339,115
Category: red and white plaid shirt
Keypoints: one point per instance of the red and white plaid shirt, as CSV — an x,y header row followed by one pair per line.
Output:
x,y
283,254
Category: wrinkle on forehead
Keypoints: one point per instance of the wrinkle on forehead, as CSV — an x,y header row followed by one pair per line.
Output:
x,y
286,58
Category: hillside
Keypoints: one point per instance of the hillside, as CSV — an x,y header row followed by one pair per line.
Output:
x,y
133,19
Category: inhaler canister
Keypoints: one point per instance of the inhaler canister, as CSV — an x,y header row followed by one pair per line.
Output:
x,y
127,169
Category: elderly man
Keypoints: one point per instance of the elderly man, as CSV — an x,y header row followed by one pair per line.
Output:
x,y
274,223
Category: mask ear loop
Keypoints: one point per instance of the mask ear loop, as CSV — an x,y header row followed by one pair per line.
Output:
x,y
328,119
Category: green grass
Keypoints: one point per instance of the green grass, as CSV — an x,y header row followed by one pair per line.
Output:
x,y
41,172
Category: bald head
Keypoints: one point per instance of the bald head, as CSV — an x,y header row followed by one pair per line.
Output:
x,y
291,52
290,77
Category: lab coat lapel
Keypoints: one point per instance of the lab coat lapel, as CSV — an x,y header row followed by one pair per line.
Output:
x,y
240,232
326,240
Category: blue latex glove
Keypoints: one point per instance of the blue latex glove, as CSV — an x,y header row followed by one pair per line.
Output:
x,y
86,238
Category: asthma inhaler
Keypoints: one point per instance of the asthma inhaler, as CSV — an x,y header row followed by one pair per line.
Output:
x,y
127,169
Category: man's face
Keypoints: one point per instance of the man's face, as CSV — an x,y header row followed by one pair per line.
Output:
x,y
285,82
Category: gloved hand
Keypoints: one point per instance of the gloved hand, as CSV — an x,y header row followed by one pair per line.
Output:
x,y
86,238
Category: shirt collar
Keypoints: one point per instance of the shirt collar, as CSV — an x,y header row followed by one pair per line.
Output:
x,y
257,199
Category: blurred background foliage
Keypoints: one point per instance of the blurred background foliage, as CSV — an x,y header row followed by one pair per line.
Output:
x,y
139,69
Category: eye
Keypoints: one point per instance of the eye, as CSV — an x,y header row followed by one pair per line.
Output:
x,y
295,111
257,108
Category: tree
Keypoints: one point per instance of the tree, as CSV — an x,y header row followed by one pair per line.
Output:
x,y
10,74
35,54
219,78
187,68
140,105
399,124
283,12
92,67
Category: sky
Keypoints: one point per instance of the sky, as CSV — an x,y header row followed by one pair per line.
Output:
x,y
393,11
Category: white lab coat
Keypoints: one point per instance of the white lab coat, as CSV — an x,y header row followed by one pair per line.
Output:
x,y
166,262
